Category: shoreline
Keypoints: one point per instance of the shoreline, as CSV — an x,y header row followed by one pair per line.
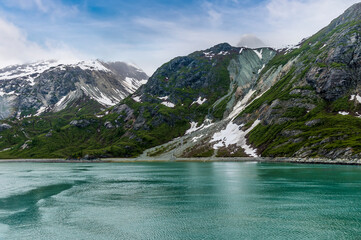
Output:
x,y
239,159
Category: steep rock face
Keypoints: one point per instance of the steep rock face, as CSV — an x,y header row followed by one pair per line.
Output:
x,y
313,108
51,86
338,58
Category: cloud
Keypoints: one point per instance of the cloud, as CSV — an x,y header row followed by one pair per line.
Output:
x,y
150,33
15,48
162,37
53,8
167,39
289,21
251,41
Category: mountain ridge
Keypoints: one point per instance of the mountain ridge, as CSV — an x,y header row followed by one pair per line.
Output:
x,y
221,102
51,85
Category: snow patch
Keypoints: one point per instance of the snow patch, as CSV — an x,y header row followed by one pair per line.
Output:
x,y
137,99
343,113
98,96
5,149
240,51
260,70
200,101
164,98
193,128
168,104
226,137
131,84
206,124
29,72
61,101
223,53
40,111
25,71
357,97
288,48
2,93
259,54
195,139
104,100
209,55
143,81
234,135
241,105
91,65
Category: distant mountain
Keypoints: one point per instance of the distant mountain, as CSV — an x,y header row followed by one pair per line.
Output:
x,y
50,86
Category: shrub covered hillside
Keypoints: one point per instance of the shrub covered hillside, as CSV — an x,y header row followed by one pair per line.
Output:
x,y
187,89
221,102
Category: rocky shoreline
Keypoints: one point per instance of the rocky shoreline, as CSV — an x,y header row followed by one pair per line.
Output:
x,y
239,159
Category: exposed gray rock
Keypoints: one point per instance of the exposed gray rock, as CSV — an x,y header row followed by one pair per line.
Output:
x,y
291,133
108,125
336,153
297,140
4,126
140,123
302,92
326,140
282,120
304,152
25,145
338,69
80,123
313,122
49,134
124,111
89,157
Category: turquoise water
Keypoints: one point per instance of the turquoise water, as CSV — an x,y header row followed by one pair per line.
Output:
x,y
179,201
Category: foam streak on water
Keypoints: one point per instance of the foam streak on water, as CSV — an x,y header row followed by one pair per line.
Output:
x,y
179,201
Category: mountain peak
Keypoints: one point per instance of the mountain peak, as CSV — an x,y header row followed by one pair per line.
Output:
x,y
31,89
221,47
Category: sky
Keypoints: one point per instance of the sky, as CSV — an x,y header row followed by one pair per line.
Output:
x,y
149,33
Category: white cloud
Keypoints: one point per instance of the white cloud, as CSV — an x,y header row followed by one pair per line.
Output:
x,y
277,23
289,21
215,18
51,7
169,39
150,39
15,48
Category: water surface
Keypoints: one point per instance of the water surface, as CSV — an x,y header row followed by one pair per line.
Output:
x,y
179,201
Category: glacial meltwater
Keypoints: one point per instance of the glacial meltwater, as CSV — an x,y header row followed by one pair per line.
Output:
x,y
220,200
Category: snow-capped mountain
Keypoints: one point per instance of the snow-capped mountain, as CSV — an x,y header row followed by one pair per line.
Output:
x,y
32,89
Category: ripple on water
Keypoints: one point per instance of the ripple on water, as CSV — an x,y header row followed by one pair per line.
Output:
x,y
183,201
3,230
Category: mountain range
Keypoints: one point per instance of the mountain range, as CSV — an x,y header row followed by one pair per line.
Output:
x,y
224,101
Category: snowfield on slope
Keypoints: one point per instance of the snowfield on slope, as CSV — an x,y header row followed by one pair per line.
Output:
x,y
232,134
